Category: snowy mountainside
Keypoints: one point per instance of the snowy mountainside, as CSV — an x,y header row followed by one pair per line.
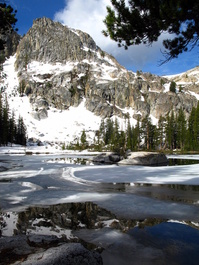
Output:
x,y
60,126
61,83
87,72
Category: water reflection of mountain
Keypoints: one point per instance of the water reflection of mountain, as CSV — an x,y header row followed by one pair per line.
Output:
x,y
97,229
69,216
58,219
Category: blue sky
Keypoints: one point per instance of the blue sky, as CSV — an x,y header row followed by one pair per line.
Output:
x,y
28,10
88,16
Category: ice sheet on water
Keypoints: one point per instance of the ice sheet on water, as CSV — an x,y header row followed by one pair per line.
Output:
x,y
188,174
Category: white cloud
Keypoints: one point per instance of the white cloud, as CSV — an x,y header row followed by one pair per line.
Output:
x,y
88,16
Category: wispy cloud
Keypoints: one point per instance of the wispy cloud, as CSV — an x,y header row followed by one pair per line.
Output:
x,y
89,17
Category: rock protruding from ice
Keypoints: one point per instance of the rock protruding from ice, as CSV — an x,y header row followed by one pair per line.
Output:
x,y
145,159
31,250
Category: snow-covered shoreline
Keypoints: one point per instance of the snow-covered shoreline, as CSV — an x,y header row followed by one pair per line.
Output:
x,y
42,150
184,174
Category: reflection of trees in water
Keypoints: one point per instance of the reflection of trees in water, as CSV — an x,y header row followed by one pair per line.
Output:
x,y
76,216
70,216
180,162
153,233
166,192
170,186
72,160
186,193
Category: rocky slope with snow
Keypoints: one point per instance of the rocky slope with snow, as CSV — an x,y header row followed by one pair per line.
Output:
x,y
188,81
60,76
59,66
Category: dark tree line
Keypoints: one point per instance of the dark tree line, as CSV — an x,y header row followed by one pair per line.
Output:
x,y
12,130
172,132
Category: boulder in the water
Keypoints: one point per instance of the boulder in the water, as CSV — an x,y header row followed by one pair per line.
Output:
x,y
145,159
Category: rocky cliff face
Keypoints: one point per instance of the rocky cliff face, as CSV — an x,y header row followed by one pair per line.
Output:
x,y
59,66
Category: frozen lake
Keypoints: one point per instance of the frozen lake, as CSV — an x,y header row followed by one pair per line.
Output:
x,y
136,213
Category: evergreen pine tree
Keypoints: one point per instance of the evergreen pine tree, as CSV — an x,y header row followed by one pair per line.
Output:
x,y
181,129
12,129
196,128
122,143
171,131
116,134
7,21
109,131
148,132
161,132
21,132
136,134
172,87
5,119
142,22
102,132
118,139
83,139
190,141
129,136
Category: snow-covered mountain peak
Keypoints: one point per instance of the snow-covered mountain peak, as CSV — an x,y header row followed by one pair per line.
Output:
x,y
51,42
61,83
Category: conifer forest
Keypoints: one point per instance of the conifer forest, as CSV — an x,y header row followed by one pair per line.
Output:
x,y
172,132
12,129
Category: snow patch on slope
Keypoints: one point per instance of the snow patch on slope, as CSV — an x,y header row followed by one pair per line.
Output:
x,y
60,125
46,68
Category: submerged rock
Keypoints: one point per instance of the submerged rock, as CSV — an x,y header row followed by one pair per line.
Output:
x,y
67,254
145,159
40,250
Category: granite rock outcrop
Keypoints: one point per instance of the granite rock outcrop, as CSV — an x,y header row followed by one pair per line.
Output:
x,y
58,67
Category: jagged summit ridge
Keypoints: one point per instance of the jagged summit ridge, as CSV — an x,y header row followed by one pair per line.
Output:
x,y
51,42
